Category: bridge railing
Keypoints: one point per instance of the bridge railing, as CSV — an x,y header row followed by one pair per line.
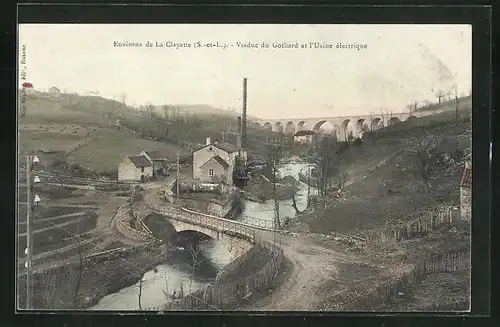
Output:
x,y
204,220
257,222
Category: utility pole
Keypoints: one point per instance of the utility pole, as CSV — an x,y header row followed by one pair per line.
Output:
x,y
30,160
178,174
456,103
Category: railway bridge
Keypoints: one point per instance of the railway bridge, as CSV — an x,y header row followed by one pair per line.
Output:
x,y
344,127
347,127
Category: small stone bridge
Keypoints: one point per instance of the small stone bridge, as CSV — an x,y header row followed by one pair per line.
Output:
x,y
237,236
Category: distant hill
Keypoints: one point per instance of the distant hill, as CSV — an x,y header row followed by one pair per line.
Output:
x,y
203,109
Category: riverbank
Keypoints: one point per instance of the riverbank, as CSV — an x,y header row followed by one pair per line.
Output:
x,y
75,286
262,190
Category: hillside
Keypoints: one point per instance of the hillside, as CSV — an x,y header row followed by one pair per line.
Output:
x,y
202,109
98,133
395,190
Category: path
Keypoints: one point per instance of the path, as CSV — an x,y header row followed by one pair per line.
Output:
x,y
315,275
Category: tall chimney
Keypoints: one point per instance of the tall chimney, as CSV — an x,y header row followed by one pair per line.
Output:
x,y
208,141
238,134
244,119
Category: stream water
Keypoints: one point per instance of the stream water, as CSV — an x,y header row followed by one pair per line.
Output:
x,y
176,274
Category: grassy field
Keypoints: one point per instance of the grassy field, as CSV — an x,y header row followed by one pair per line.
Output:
x,y
111,147
85,126
368,203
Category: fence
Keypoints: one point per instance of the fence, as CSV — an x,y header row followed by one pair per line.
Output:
x,y
100,184
457,260
220,296
427,222
124,227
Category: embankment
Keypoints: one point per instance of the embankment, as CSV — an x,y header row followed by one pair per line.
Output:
x,y
369,298
75,286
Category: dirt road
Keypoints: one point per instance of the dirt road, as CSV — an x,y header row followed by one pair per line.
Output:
x,y
317,272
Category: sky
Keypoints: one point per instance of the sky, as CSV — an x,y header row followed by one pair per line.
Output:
x,y
394,65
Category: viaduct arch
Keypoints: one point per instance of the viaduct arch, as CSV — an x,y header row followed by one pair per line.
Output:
x,y
345,128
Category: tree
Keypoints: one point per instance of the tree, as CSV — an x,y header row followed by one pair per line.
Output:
x,y
410,107
140,293
166,110
440,95
196,259
275,155
455,91
123,97
427,151
327,162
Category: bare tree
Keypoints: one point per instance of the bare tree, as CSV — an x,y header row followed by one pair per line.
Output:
x,y
427,151
140,293
440,94
195,252
123,97
455,91
410,107
275,154
166,111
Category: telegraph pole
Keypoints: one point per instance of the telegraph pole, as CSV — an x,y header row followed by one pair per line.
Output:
x,y
29,241
30,160
178,173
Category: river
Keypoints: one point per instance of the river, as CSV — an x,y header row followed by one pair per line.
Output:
x,y
176,272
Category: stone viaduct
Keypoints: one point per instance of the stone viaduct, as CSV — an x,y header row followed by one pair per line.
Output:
x,y
346,126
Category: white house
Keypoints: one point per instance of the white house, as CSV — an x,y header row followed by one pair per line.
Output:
x,y
466,192
136,168
54,91
215,162
303,137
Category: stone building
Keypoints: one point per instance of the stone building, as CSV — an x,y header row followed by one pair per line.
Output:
x,y
54,91
304,137
137,168
161,160
215,162
466,193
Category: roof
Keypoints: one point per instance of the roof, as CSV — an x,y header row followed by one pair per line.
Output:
x,y
304,133
160,155
466,178
227,147
140,161
219,160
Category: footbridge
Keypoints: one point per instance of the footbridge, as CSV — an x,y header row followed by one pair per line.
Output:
x,y
238,237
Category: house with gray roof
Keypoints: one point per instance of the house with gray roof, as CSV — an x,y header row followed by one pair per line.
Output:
x,y
137,168
215,162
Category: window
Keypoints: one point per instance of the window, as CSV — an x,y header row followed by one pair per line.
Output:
x,y
210,172
142,169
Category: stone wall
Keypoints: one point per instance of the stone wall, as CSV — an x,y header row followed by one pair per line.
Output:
x,y
122,224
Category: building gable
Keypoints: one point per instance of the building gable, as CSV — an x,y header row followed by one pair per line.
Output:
x,y
140,161
221,162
